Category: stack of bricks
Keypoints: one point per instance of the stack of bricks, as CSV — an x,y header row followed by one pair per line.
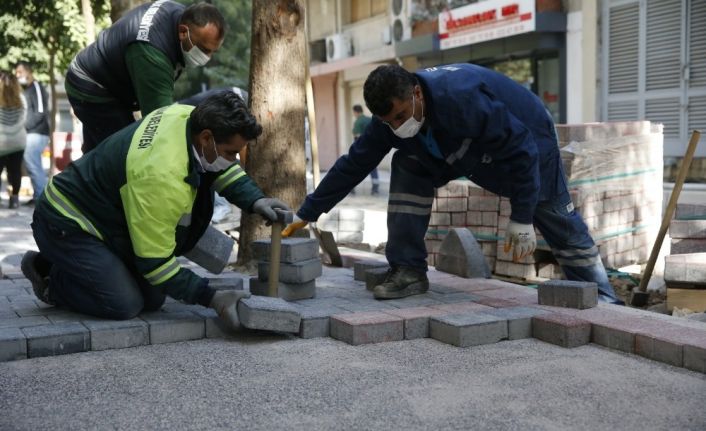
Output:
x,y
299,266
345,224
614,175
460,203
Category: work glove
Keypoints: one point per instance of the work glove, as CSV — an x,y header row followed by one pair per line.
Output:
x,y
294,226
266,208
521,239
225,302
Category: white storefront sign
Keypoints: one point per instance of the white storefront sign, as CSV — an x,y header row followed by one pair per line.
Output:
x,y
487,20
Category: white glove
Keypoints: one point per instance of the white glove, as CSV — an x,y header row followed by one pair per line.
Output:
x,y
225,302
521,239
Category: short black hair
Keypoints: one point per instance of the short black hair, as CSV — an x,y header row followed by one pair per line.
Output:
x,y
358,109
25,65
225,114
385,83
201,14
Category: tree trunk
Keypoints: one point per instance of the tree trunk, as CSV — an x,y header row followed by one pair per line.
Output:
x,y
90,21
52,117
278,63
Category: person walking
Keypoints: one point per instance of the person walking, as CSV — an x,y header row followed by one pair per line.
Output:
x,y
12,133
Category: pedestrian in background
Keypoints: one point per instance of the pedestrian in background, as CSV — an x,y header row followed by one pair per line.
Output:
x,y
37,126
12,133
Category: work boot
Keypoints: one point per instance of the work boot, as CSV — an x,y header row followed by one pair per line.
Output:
x,y
14,202
39,277
402,282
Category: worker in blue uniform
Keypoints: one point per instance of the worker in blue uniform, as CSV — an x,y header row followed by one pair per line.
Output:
x,y
452,121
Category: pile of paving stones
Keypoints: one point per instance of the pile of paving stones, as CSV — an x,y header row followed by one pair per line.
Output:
x,y
299,266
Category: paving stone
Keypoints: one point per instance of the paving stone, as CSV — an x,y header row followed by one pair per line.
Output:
x,y
461,307
414,301
367,328
569,294
286,291
461,254
176,307
215,328
7,314
315,322
373,277
366,304
453,298
13,344
229,283
361,266
298,272
212,251
172,327
687,229
444,289
688,245
117,334
270,314
292,250
497,302
23,322
59,339
660,348
562,330
519,320
28,311
468,329
695,358
685,269
613,335
416,320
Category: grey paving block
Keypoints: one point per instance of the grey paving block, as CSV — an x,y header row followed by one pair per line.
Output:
x,y
361,266
23,322
67,316
270,314
298,272
452,298
59,339
685,269
695,358
468,329
235,282
688,245
315,322
416,320
13,344
212,251
568,294
661,350
215,328
375,276
117,334
687,229
519,320
367,327
350,214
176,307
286,291
173,327
613,338
343,236
292,249
461,254
414,301
562,330
691,211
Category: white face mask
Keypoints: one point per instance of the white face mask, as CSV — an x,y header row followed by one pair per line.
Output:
x,y
220,164
410,127
22,80
194,57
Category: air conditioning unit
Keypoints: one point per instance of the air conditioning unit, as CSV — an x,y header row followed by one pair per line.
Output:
x,y
338,46
400,27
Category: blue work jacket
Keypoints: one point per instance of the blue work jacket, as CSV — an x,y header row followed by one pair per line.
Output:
x,y
487,127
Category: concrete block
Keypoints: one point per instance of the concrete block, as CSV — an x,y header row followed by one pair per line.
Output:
x,y
361,266
292,249
497,302
269,314
519,320
117,334
351,225
687,229
414,301
215,328
350,214
23,322
691,211
661,349
695,358
452,204
212,250
60,339
416,320
298,272
562,330
468,329
173,327
454,298
461,254
462,308
376,276
688,245
342,236
286,291
315,322
613,336
568,294
230,283
440,219
367,328
13,344
689,269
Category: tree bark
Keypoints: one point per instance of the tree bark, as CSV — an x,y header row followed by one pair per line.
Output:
x,y
90,21
52,119
277,161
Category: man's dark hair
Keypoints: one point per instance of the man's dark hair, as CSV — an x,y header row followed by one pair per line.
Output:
x,y
201,14
358,109
386,83
225,114
25,65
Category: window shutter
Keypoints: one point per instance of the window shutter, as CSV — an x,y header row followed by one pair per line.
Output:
x,y
663,44
622,111
623,48
667,112
697,114
697,44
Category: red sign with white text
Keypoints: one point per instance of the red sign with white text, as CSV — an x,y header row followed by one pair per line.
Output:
x,y
487,20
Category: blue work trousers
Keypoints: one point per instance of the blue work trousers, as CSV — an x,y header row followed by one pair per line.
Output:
x,y
88,278
412,184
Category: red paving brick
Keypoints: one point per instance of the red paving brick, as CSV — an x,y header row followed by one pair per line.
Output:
x,y
497,303
561,329
461,307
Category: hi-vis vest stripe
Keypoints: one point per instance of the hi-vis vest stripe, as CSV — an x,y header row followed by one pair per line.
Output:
x,y
228,177
163,272
67,209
